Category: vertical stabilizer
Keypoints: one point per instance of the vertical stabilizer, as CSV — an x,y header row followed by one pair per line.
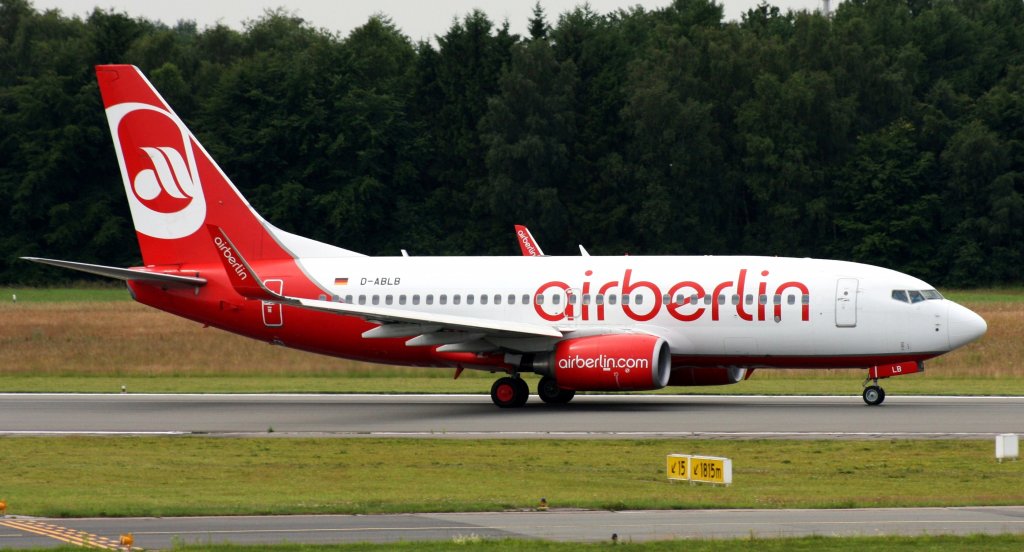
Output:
x,y
174,187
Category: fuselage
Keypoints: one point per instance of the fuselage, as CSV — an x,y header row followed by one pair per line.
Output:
x,y
712,311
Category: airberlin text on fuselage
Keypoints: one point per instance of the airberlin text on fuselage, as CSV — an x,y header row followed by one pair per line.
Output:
x,y
685,311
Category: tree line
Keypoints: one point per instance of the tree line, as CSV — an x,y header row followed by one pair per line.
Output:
x,y
890,133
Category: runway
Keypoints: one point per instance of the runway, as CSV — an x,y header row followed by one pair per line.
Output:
x,y
576,526
473,416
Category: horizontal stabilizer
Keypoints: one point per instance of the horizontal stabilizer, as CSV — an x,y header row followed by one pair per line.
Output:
x,y
127,274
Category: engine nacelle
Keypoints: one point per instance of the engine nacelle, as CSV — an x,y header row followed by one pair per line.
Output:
x,y
617,362
706,375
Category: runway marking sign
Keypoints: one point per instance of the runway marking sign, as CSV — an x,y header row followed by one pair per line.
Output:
x,y
699,469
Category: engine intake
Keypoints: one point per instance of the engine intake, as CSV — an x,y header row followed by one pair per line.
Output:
x,y
618,362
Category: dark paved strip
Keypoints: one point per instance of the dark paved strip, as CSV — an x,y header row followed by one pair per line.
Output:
x,y
473,416
575,526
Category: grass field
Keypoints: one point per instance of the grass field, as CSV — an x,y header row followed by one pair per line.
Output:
x,y
96,340
180,476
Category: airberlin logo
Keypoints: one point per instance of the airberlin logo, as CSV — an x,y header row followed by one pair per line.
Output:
x,y
603,362
229,257
710,300
527,244
159,170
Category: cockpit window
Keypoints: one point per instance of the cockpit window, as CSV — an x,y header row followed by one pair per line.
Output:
x,y
915,296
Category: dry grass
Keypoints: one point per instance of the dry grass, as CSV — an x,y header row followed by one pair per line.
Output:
x,y
122,338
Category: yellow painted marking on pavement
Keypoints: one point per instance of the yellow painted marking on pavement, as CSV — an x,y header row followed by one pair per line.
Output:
x,y
64,534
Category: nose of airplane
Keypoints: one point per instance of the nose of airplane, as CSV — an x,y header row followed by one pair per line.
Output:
x,y
964,326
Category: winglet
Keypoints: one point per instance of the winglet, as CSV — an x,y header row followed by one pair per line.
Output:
x,y
243,278
526,242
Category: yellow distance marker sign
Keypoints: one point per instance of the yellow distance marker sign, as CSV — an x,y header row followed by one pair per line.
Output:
x,y
700,469
678,467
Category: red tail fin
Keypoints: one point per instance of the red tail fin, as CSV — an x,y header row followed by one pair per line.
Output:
x,y
173,185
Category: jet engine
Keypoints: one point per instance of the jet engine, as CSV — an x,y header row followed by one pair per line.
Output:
x,y
617,362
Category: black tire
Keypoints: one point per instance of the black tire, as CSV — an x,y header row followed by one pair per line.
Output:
x,y
509,392
549,392
522,391
873,395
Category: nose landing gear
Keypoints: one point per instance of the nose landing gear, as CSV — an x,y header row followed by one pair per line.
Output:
x,y
874,395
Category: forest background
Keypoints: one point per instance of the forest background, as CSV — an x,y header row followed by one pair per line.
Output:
x,y
890,133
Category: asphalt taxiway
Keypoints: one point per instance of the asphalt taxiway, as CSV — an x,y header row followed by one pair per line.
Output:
x,y
575,526
473,416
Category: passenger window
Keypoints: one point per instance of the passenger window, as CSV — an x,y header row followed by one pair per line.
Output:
x,y
900,295
526,299
612,299
666,299
442,299
762,299
777,299
430,298
323,297
805,299
469,299
791,299
586,298
457,299
735,299
599,299
680,299
915,296
625,299
401,299
416,299
638,300
511,299
556,299
388,300
707,299
362,299
348,299
540,299
375,300
749,299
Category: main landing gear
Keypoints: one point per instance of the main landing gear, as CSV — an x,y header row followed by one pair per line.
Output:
x,y
551,393
512,392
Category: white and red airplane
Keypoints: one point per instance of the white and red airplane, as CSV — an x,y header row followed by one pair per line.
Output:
x,y
584,323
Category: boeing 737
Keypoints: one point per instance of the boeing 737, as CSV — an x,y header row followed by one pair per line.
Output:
x,y
584,323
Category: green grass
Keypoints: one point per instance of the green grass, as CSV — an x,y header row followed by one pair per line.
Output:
x,y
177,476
441,382
972,543
97,293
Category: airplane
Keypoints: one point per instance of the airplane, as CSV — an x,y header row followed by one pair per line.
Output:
x,y
586,323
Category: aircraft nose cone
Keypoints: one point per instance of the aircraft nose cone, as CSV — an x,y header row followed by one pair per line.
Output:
x,y
964,326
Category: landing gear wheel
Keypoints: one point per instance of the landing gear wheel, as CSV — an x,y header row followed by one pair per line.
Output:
x,y
509,392
874,395
550,393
